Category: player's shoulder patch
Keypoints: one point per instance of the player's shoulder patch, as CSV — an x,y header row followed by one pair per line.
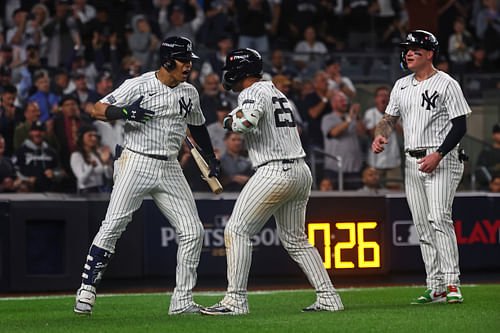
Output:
x,y
111,99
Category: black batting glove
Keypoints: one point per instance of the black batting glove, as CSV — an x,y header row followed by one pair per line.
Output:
x,y
214,165
134,112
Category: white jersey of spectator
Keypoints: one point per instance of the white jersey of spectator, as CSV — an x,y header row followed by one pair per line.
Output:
x,y
165,132
303,47
345,80
390,157
86,174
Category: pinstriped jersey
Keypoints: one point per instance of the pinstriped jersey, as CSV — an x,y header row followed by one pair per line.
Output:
x,y
426,108
174,108
275,137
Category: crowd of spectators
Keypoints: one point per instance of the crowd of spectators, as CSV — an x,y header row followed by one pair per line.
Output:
x,y
57,58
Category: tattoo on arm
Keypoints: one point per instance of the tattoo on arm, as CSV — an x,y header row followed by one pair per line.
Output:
x,y
386,125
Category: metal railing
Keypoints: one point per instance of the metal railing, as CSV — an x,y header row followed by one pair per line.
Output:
x,y
340,173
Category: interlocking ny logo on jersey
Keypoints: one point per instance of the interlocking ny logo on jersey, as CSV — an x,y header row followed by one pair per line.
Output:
x,y
187,108
431,100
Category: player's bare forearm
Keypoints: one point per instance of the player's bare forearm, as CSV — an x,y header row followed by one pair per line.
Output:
x,y
386,125
99,111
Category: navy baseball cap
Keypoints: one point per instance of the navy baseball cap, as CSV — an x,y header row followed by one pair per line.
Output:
x,y
496,128
37,126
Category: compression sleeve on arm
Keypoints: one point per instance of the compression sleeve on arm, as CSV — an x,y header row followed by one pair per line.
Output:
x,y
200,135
114,112
454,136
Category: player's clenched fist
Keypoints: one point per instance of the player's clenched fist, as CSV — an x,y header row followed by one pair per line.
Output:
x,y
377,144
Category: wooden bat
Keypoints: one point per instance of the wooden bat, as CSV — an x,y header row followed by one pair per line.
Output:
x,y
205,170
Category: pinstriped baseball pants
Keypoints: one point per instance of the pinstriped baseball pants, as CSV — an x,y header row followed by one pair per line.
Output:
x,y
136,176
281,190
430,197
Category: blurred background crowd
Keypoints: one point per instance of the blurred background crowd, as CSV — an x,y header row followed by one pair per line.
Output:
x,y
336,60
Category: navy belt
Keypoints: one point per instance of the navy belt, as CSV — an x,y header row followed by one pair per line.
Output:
x,y
282,161
157,157
417,153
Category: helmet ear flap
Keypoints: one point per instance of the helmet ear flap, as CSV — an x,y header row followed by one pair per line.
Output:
x,y
169,65
402,58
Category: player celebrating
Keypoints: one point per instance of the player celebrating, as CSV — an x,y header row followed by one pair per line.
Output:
x,y
433,109
280,186
158,106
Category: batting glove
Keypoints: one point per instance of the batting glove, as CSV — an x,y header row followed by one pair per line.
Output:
x,y
134,112
225,123
214,165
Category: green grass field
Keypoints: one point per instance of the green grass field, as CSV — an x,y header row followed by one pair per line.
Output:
x,y
384,309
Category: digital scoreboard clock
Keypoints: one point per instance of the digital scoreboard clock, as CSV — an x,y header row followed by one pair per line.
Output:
x,y
350,241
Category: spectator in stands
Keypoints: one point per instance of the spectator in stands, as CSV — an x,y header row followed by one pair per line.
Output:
x,y
253,16
36,161
326,185
371,182
173,23
82,91
359,17
60,85
336,80
83,10
309,51
460,47
66,125
216,131
210,97
8,177
6,55
216,60
26,32
143,43
103,84
331,27
5,76
479,64
60,31
90,163
8,117
489,158
219,20
46,100
41,18
278,66
495,183
31,115
236,169
387,163
488,29
314,107
341,131
33,62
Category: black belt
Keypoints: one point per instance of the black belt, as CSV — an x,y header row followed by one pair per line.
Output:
x,y
157,157
418,153
282,161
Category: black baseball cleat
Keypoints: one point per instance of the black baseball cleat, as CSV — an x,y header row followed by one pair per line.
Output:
x,y
217,310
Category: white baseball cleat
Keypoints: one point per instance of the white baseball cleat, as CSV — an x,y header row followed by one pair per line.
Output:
x,y
193,308
85,299
217,310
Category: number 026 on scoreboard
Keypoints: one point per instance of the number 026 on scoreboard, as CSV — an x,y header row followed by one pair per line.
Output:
x,y
348,247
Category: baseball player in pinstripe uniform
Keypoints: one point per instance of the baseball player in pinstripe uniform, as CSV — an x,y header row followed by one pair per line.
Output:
x,y
158,107
280,186
433,109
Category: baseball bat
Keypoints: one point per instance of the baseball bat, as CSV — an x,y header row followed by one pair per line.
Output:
x,y
213,182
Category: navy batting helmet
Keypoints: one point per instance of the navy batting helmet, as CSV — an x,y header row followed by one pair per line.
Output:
x,y
422,39
241,63
179,48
